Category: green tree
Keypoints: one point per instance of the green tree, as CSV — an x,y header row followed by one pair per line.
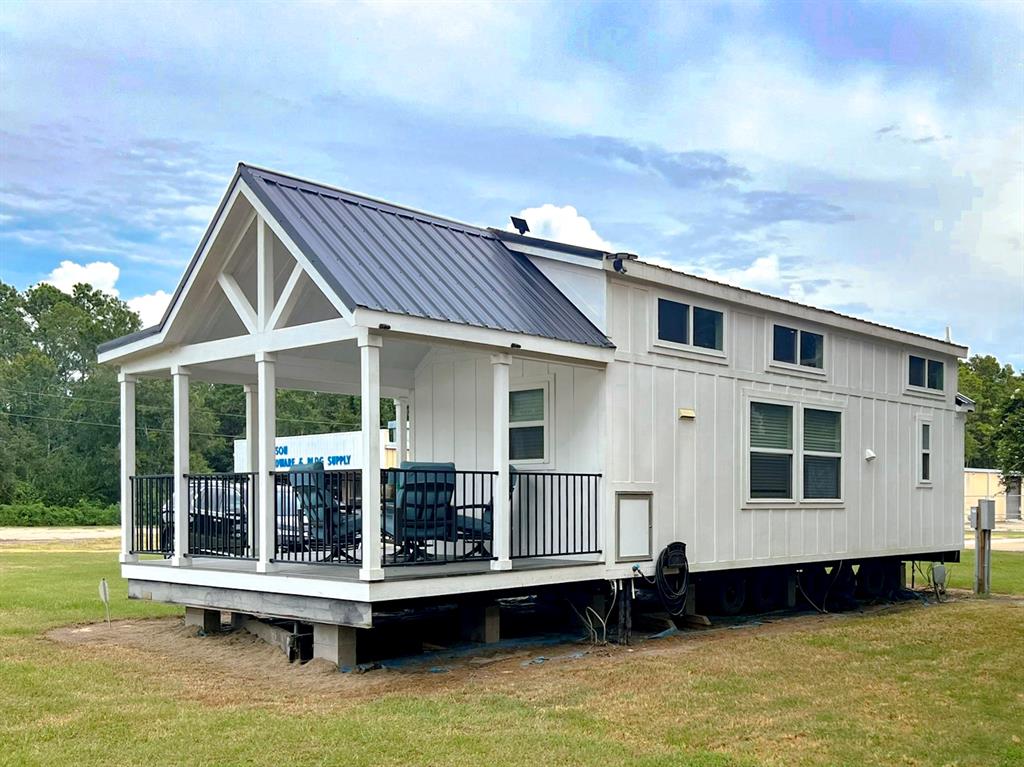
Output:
x,y
1010,444
59,409
989,384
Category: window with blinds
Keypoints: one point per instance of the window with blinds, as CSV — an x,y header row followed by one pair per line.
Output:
x,y
527,411
822,454
780,443
771,450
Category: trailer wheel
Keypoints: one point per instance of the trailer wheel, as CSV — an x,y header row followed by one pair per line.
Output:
x,y
872,581
729,593
842,591
814,581
764,590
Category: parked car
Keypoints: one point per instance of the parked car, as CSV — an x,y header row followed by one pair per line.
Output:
x,y
314,517
218,515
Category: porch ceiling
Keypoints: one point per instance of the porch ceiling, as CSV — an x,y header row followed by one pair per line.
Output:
x,y
331,367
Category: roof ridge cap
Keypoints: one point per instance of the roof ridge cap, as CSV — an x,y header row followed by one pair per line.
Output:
x,y
374,203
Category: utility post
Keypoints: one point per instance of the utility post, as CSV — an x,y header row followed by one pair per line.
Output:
x,y
984,518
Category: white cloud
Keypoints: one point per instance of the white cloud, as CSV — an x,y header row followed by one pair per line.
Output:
x,y
563,224
100,274
150,307
103,275
762,275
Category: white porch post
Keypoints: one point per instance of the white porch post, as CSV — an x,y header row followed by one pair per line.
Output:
x,y
179,384
401,429
127,383
501,516
266,421
252,461
252,450
369,406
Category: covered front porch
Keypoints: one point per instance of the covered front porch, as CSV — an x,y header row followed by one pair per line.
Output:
x,y
488,473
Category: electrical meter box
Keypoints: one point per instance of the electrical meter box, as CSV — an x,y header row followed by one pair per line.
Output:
x,y
986,514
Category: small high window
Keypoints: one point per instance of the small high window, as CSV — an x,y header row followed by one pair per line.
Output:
x,y
798,347
926,373
688,325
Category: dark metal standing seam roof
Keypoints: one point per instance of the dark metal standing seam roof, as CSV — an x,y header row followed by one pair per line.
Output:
x,y
379,256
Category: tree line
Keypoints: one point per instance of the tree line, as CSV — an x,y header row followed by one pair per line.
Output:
x,y
59,409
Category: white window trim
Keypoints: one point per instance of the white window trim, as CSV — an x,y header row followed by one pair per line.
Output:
x,y
922,391
543,384
791,368
661,346
919,424
798,501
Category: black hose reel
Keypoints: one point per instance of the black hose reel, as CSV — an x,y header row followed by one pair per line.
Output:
x,y
672,577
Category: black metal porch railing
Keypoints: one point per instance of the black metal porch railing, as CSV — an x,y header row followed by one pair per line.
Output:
x,y
151,528
554,514
318,516
436,515
222,515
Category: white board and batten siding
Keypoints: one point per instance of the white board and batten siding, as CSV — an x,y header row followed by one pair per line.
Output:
x,y
696,469
452,411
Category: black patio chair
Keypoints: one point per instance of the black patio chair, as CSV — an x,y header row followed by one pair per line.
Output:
x,y
421,512
479,529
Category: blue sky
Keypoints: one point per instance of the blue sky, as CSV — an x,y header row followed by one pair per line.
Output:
x,y
863,157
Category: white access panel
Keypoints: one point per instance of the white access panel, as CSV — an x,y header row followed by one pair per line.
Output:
x,y
633,523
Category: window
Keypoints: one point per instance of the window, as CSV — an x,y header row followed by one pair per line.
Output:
x,y
527,409
926,453
822,455
771,450
926,374
675,321
798,347
773,453
707,328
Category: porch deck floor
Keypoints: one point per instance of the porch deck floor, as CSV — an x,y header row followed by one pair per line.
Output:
x,y
347,572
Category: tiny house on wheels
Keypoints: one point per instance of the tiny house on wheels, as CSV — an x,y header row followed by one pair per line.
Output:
x,y
567,420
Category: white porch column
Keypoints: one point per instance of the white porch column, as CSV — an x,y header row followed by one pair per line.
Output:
x,y
179,384
401,429
501,516
252,450
252,460
369,406
266,420
127,383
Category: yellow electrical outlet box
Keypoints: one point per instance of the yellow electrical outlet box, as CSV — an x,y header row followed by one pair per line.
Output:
x,y
686,414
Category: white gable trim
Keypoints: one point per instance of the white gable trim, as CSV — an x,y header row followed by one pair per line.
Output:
x,y
249,317
229,286
296,253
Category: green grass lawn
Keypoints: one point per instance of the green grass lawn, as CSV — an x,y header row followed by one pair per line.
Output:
x,y
915,685
1007,572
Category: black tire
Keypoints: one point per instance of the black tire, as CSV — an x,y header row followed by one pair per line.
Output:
x,y
813,581
764,590
843,588
730,593
872,580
